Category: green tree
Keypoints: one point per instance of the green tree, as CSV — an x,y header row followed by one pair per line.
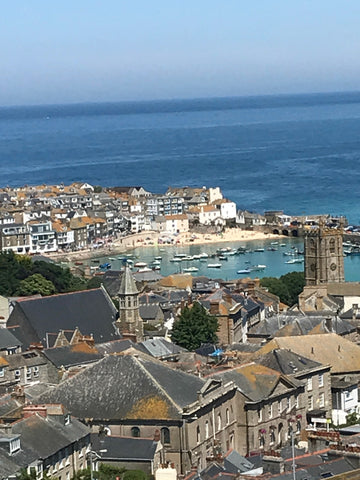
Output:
x,y
36,284
194,327
287,287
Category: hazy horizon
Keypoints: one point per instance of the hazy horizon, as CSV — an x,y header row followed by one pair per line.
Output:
x,y
93,52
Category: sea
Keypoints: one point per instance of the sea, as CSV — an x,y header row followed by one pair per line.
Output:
x,y
296,153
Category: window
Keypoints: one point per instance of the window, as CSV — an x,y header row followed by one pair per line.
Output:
x,y
272,436
2,371
206,429
279,407
310,403
259,414
321,380
270,411
135,432
36,371
309,384
14,445
198,438
165,436
297,401
298,426
17,374
288,404
219,422
322,400
28,373
227,416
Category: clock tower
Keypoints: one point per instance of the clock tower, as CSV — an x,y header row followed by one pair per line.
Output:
x,y
324,258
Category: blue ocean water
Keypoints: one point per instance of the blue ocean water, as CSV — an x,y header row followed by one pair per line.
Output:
x,y
297,153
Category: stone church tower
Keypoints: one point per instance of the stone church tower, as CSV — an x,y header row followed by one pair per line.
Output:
x,y
129,322
324,259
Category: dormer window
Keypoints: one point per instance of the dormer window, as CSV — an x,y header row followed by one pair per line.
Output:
x,y
14,445
67,419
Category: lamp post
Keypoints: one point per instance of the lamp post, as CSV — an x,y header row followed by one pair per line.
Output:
x,y
91,455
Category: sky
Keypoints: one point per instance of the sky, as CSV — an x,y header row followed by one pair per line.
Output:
x,y
73,51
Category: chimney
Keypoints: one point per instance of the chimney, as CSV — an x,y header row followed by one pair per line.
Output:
x,y
214,307
29,410
355,309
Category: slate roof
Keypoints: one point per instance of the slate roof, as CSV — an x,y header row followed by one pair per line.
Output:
x,y
287,362
42,437
329,349
124,448
126,387
92,311
236,463
255,381
159,347
8,340
115,346
150,312
127,284
71,355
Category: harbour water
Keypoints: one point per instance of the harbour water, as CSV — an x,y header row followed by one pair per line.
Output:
x,y
273,256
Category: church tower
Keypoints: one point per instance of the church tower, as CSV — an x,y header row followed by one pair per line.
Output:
x,y
324,259
129,322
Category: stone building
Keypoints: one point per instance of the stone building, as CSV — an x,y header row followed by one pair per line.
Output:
x,y
324,260
129,321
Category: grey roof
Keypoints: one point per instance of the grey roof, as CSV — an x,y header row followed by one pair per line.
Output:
x,y
126,386
42,437
115,346
150,312
127,284
92,311
124,448
159,347
287,362
236,463
71,355
28,359
151,299
8,340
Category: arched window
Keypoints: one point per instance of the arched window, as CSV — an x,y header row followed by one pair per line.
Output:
x,y
165,436
272,436
206,429
332,245
129,302
198,434
219,422
135,432
227,416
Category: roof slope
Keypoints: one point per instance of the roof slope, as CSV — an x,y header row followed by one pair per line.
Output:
x,y
126,387
124,448
329,349
90,310
255,381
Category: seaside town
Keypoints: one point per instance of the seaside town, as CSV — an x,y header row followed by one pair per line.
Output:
x,y
126,373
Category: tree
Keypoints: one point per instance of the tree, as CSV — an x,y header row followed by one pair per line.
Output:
x,y
287,287
36,284
194,327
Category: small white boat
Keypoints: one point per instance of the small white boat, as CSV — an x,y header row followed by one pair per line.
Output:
x,y
175,259
214,265
190,269
204,255
259,249
158,257
244,271
112,258
140,264
145,269
156,262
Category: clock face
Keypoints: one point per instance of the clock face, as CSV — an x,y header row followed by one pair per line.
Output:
x,y
333,266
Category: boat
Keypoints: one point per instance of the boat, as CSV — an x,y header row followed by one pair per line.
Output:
x,y
145,269
203,255
190,269
258,268
244,271
105,266
214,265
94,260
78,263
295,260
274,243
187,259
175,259
259,249
156,262
222,257
158,257
112,258
140,264
155,267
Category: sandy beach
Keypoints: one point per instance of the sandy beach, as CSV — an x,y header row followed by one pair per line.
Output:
x,y
145,239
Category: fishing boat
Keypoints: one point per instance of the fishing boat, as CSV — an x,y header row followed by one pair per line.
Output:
x,y
214,265
244,271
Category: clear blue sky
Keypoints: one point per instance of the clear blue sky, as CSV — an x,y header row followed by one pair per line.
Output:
x,y
57,51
